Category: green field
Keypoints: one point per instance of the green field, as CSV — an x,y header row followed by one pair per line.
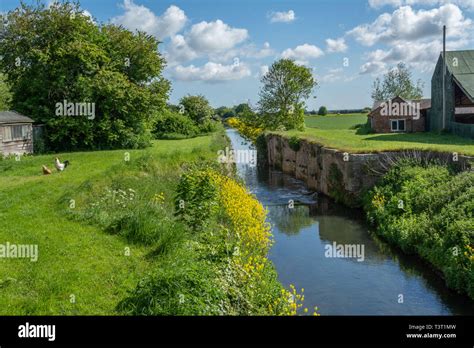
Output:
x,y
335,121
339,132
78,260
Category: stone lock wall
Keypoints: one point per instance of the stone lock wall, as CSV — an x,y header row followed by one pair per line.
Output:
x,y
337,174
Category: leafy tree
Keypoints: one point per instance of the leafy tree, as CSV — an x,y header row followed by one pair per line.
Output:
x,y
170,122
243,108
247,115
58,53
397,82
5,95
225,112
197,108
323,111
286,86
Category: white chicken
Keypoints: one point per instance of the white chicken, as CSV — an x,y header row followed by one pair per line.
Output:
x,y
60,166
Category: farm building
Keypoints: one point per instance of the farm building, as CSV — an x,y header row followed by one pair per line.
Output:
x,y
16,133
399,115
459,90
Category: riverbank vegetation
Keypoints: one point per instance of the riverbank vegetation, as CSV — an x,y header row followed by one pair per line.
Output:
x,y
143,230
221,267
429,211
80,260
246,129
107,226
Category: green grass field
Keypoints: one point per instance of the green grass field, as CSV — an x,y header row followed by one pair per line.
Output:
x,y
339,132
335,121
76,260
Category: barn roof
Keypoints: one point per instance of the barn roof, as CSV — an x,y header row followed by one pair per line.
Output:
x,y
13,117
424,103
463,70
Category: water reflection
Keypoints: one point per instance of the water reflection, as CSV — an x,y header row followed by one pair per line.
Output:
x,y
290,220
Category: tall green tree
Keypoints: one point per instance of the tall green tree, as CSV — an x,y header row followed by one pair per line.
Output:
x,y
59,54
5,95
243,108
397,82
286,86
197,108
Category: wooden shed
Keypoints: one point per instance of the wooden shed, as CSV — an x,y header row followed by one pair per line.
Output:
x,y
459,91
399,115
16,133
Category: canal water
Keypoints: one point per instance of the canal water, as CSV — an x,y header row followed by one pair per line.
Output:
x,y
382,282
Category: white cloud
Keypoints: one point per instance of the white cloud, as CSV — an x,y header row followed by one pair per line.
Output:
x,y
179,51
397,3
373,68
413,37
211,72
336,45
88,14
302,53
282,17
139,17
406,24
423,58
214,36
263,71
263,52
334,75
245,51
216,40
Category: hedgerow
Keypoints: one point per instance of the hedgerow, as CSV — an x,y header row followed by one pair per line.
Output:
x,y
428,211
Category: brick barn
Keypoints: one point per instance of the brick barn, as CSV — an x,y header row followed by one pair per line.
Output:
x,y
399,115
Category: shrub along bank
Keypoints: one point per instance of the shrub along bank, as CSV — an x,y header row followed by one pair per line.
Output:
x,y
429,211
173,125
246,129
221,267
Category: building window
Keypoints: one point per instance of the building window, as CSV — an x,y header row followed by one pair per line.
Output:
x,y
398,125
16,132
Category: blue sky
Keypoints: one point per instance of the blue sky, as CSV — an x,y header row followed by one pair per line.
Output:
x,y
221,48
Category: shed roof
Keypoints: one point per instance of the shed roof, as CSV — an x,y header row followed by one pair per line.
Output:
x,y
13,117
461,65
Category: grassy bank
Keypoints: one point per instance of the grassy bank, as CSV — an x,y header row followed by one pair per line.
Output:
x,y
103,226
429,211
345,133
